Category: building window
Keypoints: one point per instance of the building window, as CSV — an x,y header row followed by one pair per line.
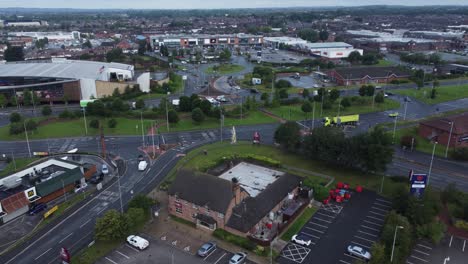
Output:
x,y
178,210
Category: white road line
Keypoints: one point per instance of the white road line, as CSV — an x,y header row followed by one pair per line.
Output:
x,y
43,254
464,243
375,218
409,262
372,212
125,256
322,220
321,232
412,256
342,261
220,258
85,223
384,201
372,223
367,233
111,260
210,254
365,239
421,245
351,256
383,205
420,252
370,228
359,244
65,237
379,209
132,248
310,234
325,215
451,238
318,224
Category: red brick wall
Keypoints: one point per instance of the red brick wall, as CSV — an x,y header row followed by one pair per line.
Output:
x,y
442,136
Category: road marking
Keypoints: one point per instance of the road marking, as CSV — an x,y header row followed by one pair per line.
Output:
x,y
367,233
85,223
427,254
111,260
379,209
365,239
43,254
325,215
220,258
451,238
370,228
351,256
132,248
310,234
369,222
322,220
122,254
318,224
412,256
409,262
383,205
65,237
381,220
464,243
385,201
372,212
344,262
359,244
421,245
321,232
210,254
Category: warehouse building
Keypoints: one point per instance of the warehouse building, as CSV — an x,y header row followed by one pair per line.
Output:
x,y
72,80
330,50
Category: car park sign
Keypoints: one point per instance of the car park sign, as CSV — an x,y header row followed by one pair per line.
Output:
x,y
418,183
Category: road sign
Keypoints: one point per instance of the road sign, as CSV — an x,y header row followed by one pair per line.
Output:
x,y
418,184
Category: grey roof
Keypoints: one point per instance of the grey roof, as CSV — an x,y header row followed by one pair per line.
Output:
x,y
326,45
75,69
354,73
251,210
202,190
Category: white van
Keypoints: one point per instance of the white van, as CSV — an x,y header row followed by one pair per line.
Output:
x,y
142,165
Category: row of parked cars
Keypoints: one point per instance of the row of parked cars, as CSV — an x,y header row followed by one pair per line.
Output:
x,y
207,248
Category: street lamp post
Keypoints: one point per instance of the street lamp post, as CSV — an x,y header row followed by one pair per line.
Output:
x,y
142,133
450,137
167,112
430,166
63,188
394,129
27,139
406,107
84,118
394,239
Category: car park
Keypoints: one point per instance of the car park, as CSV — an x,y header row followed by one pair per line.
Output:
x,y
238,258
359,252
206,249
301,239
37,208
137,242
105,169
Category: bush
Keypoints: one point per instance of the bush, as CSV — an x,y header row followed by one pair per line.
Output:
x,y
320,192
94,123
433,231
234,239
173,117
283,84
197,115
461,224
31,125
283,93
15,117
46,110
460,154
112,123
65,114
16,128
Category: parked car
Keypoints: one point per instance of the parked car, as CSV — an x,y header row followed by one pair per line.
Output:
x,y
302,240
253,90
137,242
37,208
221,98
105,169
359,252
142,165
206,249
394,114
97,178
238,258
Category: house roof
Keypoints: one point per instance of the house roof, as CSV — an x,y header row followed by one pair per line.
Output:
x,y
357,73
460,123
251,210
54,184
14,202
202,190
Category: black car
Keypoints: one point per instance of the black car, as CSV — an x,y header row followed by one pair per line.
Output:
x,y
97,178
37,208
253,90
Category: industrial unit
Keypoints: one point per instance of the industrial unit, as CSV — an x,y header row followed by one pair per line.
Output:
x,y
185,41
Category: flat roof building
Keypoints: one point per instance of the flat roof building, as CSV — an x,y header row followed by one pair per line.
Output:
x,y
184,41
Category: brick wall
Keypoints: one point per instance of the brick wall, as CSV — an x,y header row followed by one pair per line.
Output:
x,y
442,136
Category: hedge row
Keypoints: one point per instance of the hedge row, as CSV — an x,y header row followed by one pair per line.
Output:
x,y
234,239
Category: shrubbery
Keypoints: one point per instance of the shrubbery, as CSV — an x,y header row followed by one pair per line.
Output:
x,y
460,154
234,239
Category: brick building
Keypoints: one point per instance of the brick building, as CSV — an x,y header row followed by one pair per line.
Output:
x,y
439,130
366,75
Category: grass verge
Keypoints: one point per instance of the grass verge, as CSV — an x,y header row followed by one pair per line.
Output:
x,y
224,69
422,144
298,223
444,93
20,164
91,254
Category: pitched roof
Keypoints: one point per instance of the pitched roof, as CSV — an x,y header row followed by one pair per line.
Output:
x,y
460,123
202,190
54,184
354,73
14,202
251,210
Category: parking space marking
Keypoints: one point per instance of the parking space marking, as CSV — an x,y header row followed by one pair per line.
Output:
x,y
372,223
111,260
322,220
367,233
372,217
451,238
427,254
342,261
464,243
372,212
383,205
321,232
365,239
310,234
210,254
325,215
412,256
295,252
220,258
132,248
122,254
379,209
421,245
359,244
409,262
370,228
384,201
318,224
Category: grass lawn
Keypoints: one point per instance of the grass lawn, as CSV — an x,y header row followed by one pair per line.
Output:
x,y
224,69
21,163
298,223
91,254
422,144
294,112
384,63
444,93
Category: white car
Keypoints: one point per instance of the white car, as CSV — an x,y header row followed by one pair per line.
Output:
x,y
238,258
301,239
359,252
137,242
105,169
142,165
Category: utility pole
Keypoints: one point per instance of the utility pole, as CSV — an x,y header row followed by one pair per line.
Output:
x,y
430,165
450,137
406,107
85,124
394,129
394,239
167,112
142,133
13,157
27,138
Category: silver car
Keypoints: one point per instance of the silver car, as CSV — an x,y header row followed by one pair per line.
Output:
x,y
238,258
206,249
359,252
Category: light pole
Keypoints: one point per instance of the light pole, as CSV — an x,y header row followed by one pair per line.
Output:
x,y
27,138
394,129
167,112
450,137
406,107
313,115
84,118
394,239
120,192
152,133
430,166
63,188
142,133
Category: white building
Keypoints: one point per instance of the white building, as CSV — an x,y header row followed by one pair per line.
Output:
x,y
51,36
330,50
276,41
22,23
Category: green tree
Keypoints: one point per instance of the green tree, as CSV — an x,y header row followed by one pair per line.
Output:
x,y
140,104
27,97
112,123
116,93
345,102
378,254
306,107
87,45
64,114
379,98
94,123
370,90
197,115
185,104
354,57
141,48
173,116
433,93
308,34
288,135
404,241
31,125
225,55
111,227
283,94
323,35
15,117
283,84
3,100
334,94
305,93
114,55
205,106
13,54
362,90
46,110
134,218
141,201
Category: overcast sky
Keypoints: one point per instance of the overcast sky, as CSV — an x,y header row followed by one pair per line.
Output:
x,y
200,4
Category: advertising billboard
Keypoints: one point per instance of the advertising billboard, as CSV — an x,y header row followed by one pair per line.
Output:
x,y
418,184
